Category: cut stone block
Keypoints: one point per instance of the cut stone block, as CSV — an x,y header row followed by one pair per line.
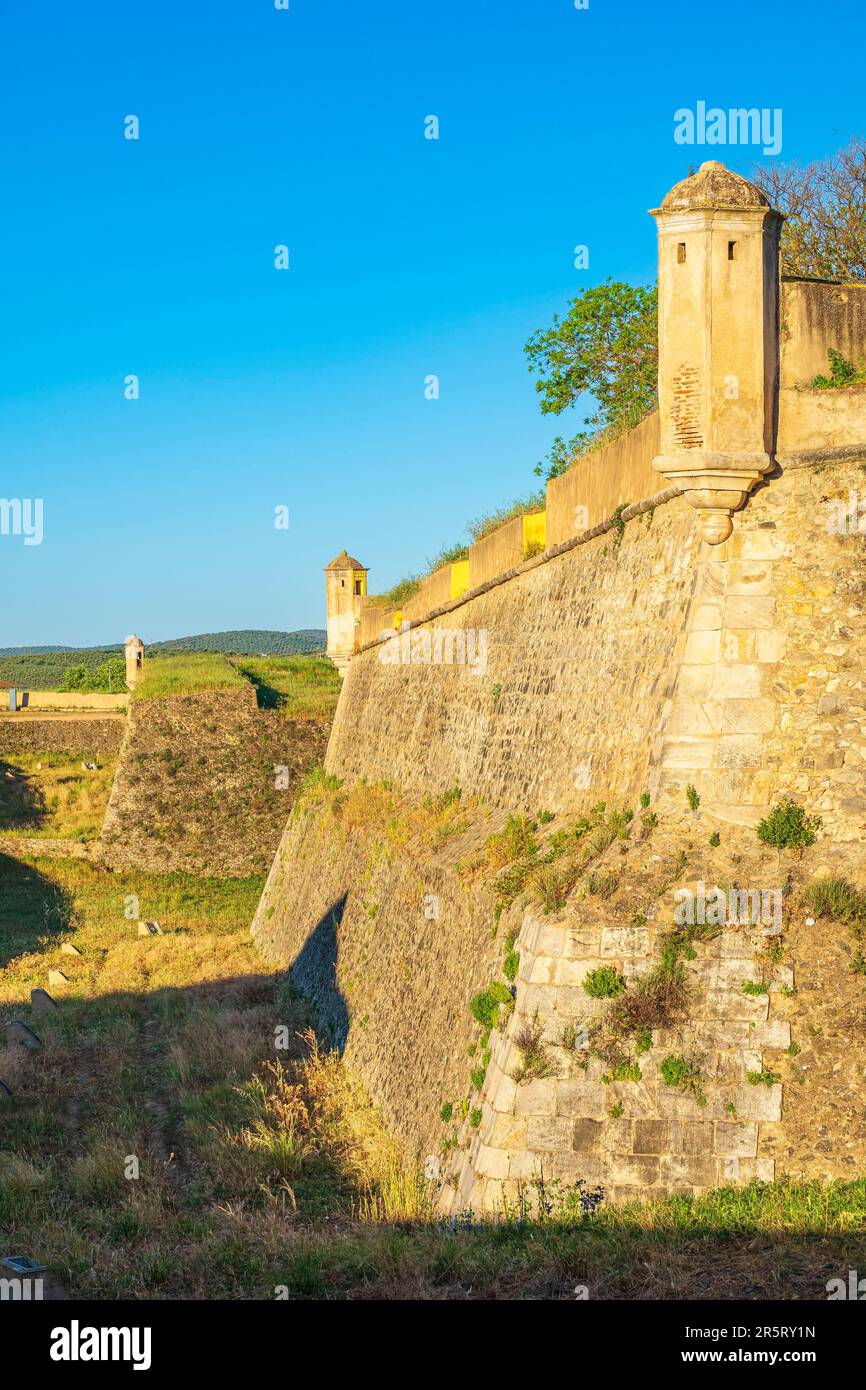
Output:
x,y
524,1167
748,577
719,1032
634,1171
617,1136
734,1007
549,1135
538,970
571,1167
740,681
57,979
702,648
582,943
757,1169
783,978
491,1163
587,1135
624,941
738,644
756,545
67,949
505,1131
535,1098
759,1102
742,611
19,1035
744,716
651,1136
736,1140
739,750
774,1034
149,929
581,1098
41,1001
706,617
692,1137
771,646
696,1170
502,1098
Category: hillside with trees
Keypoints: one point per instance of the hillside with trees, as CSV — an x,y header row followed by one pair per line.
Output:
x,y
48,668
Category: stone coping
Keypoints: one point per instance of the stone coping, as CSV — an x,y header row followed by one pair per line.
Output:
x,y
609,524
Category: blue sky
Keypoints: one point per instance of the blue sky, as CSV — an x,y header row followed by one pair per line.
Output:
x,y
305,387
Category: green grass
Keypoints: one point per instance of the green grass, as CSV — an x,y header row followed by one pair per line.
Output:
x,y
304,687
52,795
835,897
186,675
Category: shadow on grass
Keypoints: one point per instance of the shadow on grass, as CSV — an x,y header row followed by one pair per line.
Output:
x,y
267,696
191,1069
32,909
22,803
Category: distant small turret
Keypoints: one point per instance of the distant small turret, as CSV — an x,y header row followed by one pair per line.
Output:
x,y
345,588
134,652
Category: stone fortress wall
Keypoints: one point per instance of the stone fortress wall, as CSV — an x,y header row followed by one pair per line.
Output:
x,y
710,635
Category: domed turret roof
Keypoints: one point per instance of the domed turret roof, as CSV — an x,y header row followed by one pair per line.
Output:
x,y
344,561
713,186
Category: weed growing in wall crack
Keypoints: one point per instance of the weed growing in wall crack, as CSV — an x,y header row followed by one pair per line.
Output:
x,y
836,898
623,1070
603,983
485,1006
511,963
535,1060
684,1074
788,827
764,1077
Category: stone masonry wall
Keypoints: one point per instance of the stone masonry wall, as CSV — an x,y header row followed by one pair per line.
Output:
x,y
23,734
195,783
574,662
639,1136
770,699
652,663
389,976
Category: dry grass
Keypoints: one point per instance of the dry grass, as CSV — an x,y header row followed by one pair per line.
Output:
x,y
263,1168
52,795
379,811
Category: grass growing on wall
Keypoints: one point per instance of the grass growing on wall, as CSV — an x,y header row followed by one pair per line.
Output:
x,y
304,687
187,674
479,528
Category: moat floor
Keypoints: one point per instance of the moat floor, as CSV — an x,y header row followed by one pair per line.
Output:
x,y
178,1135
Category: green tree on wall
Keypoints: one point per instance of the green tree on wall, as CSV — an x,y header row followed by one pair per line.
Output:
x,y
606,345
